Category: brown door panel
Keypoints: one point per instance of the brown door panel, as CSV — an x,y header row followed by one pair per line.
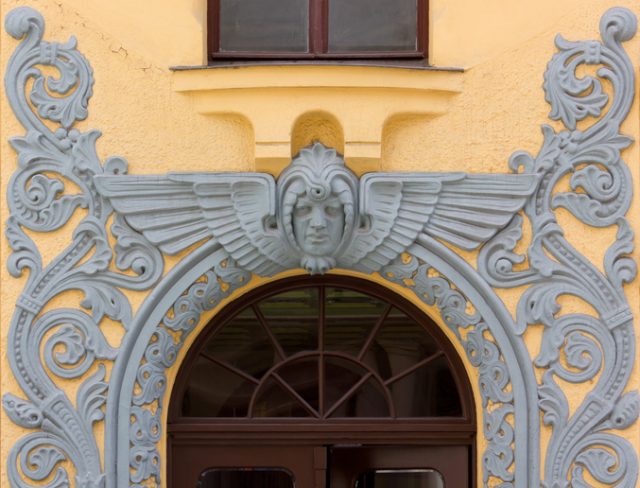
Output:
x,y
307,464
347,463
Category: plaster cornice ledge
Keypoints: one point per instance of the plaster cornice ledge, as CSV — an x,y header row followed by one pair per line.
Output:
x,y
361,98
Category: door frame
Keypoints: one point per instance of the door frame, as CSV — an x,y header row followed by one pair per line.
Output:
x,y
218,433
139,428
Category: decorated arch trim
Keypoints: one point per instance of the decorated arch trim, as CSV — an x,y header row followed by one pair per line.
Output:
x,y
318,216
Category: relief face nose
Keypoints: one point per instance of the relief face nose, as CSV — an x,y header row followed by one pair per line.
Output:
x,y
317,218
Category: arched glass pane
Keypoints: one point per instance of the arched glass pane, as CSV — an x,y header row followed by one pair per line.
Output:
x,y
400,344
214,391
368,400
350,316
302,376
244,344
276,400
293,319
372,360
438,393
341,376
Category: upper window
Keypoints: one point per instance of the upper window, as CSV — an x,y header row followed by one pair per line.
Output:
x,y
317,29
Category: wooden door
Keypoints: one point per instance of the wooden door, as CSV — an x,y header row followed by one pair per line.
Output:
x,y
201,466
399,467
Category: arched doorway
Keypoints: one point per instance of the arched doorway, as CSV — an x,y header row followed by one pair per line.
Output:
x,y
325,381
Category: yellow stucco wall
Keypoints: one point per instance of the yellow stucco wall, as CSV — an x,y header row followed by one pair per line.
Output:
x,y
163,121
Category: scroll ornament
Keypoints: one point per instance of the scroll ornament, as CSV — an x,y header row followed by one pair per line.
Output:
x,y
596,351
73,346
317,216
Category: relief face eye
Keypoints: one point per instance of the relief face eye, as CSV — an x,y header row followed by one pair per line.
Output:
x,y
332,211
302,211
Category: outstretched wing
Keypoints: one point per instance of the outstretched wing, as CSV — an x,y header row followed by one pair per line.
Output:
x,y
177,210
465,210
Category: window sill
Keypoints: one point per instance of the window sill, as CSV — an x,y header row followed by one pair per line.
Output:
x,y
273,96
418,64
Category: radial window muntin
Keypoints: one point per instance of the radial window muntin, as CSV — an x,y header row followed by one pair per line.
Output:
x,y
310,407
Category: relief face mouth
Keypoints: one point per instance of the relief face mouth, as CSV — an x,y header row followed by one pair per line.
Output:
x,y
318,238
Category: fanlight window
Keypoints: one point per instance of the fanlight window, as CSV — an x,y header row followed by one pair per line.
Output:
x,y
320,352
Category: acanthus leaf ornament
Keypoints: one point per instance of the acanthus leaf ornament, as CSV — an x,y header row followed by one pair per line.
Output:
x,y
71,340
318,216
21,412
482,352
597,351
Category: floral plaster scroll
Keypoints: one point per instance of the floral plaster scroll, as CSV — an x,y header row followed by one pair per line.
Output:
x,y
391,224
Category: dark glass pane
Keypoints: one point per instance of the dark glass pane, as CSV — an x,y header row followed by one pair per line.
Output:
x,y
214,391
275,401
399,344
400,478
372,25
302,377
340,375
293,319
414,370
263,25
367,401
350,317
245,477
244,344
429,391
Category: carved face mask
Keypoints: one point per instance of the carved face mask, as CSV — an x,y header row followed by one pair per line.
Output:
x,y
318,225
317,195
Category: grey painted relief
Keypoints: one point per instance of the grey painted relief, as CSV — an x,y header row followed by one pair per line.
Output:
x,y
318,216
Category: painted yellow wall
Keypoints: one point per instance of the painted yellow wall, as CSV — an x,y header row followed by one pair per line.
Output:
x,y
470,121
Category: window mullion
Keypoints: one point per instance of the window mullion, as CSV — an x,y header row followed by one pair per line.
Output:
x,y
317,26
213,27
422,28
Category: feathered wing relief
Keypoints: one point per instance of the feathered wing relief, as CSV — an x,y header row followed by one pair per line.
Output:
x,y
465,210
165,211
178,210
471,209
317,222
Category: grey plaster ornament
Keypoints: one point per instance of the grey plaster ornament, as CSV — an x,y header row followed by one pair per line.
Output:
x,y
318,215
498,401
599,350
391,225
70,339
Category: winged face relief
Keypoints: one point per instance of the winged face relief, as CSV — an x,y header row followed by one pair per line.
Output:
x,y
317,195
319,215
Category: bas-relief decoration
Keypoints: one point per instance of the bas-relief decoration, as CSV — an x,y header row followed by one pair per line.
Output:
x,y
146,406
318,216
483,353
596,351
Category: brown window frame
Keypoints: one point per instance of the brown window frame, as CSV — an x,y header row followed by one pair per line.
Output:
x,y
212,435
318,39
